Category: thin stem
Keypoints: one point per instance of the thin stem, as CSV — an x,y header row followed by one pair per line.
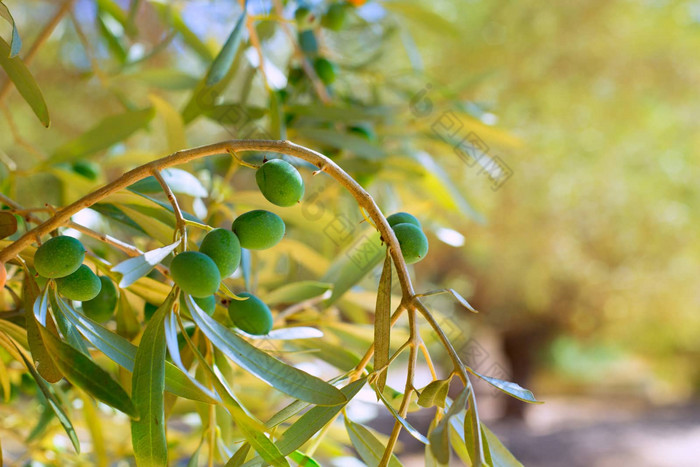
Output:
x,y
180,224
308,69
360,367
108,239
428,360
408,390
255,42
181,157
38,42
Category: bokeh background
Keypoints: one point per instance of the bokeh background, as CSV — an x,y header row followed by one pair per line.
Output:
x,y
551,152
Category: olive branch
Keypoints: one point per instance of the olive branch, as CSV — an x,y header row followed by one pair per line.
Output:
x,y
410,300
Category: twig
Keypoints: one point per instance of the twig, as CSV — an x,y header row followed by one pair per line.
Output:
x,y
414,340
255,42
308,69
108,239
180,224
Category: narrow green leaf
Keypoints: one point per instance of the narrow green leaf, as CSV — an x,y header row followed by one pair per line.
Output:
x,y
109,131
43,361
283,377
439,438
223,61
234,114
461,300
382,323
296,292
512,389
358,259
180,181
341,140
80,370
148,384
127,322
133,269
172,17
149,222
293,333
114,43
303,460
370,449
123,353
174,126
500,455
278,129
312,421
18,72
410,428
16,43
434,393
52,400
252,429
346,114
69,332
4,382
239,457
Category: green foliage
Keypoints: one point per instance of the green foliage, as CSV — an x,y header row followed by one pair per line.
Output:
x,y
82,284
251,315
195,273
258,229
59,257
158,78
280,182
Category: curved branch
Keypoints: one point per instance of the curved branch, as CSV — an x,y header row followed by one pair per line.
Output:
x,y
324,164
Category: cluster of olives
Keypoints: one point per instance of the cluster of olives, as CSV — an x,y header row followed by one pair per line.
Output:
x,y
409,233
61,258
307,20
199,273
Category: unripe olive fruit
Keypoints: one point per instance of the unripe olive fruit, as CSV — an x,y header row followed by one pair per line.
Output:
x,y
334,18
308,42
258,229
305,18
413,242
223,247
101,308
325,69
207,304
81,285
195,273
403,218
59,257
280,182
251,315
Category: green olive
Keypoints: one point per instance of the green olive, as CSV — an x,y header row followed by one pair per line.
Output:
x,y
258,229
81,285
280,182
223,247
251,315
59,257
101,308
195,273
403,218
413,242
